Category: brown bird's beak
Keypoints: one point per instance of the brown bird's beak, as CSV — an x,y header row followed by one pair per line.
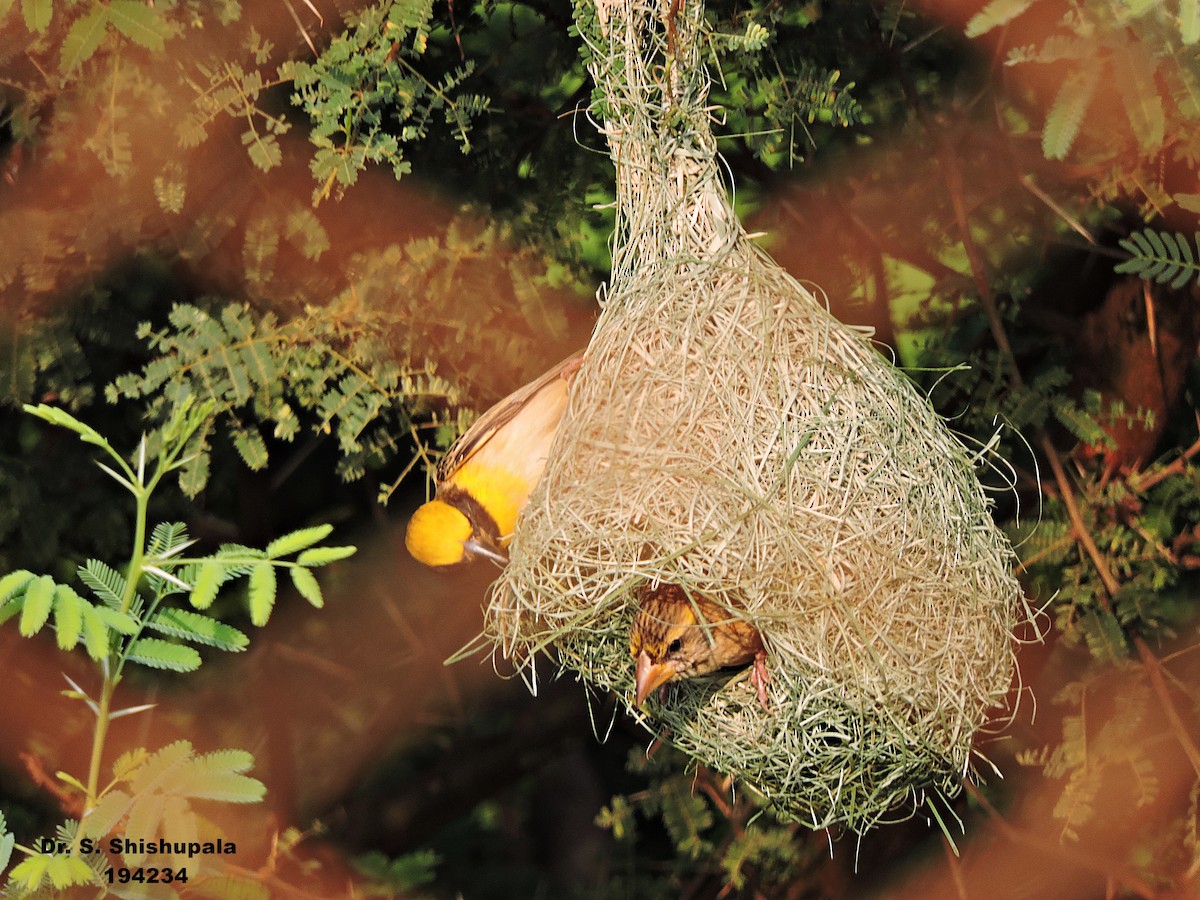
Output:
x,y
650,676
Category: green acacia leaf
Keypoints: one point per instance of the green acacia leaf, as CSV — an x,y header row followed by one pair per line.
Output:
x,y
95,633
262,592
38,598
199,629
83,38
142,24
129,762
298,540
14,583
6,848
159,766
68,616
233,760
106,582
321,556
251,448
116,620
209,578
1067,112
158,654
264,150
29,873
65,871
995,14
106,814
307,586
37,14
145,818
224,786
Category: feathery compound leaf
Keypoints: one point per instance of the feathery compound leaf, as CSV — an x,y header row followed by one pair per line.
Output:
x,y
1134,67
95,633
307,586
686,817
142,24
37,14
1104,636
995,14
159,654
7,841
83,38
198,628
65,871
321,556
250,447
106,582
117,620
1160,256
1067,112
145,818
68,616
262,592
38,597
30,873
166,538
129,762
209,578
225,786
233,761
158,765
297,540
1078,422
13,584
106,814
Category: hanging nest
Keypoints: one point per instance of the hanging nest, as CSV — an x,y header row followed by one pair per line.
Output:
x,y
728,435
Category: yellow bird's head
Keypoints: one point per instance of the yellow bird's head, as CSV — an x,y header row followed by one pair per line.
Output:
x,y
440,534
484,480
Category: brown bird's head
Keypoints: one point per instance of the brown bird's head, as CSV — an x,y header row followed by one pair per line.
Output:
x,y
669,639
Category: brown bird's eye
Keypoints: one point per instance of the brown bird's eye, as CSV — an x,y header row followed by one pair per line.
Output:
x,y
675,646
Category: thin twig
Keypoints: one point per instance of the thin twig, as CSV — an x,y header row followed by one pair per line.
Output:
x,y
1154,669
1176,467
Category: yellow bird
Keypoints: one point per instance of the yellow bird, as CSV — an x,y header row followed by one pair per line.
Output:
x,y
485,479
673,637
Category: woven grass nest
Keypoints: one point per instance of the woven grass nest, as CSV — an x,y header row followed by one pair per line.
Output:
x,y
729,435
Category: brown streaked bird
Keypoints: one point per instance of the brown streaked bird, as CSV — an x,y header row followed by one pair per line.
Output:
x,y
675,637
485,479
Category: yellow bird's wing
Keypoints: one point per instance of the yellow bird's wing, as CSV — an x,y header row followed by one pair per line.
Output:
x,y
492,421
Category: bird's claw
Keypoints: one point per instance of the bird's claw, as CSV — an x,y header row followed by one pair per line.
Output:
x,y
760,678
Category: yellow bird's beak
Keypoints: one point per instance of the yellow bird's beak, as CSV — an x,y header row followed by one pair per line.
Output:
x,y
650,675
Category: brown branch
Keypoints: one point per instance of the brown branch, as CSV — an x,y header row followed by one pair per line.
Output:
x,y
672,35
1150,479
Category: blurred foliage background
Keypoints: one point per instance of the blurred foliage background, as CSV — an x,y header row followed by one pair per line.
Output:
x,y
351,226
